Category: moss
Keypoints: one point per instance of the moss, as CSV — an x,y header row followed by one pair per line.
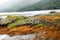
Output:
x,y
38,25
12,25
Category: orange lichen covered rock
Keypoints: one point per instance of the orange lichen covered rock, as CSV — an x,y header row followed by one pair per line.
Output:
x,y
47,31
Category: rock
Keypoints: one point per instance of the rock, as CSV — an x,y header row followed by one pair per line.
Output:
x,y
20,37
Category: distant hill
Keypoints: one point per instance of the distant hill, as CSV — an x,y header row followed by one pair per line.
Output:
x,y
43,5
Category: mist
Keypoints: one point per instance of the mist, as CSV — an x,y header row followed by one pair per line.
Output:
x,y
13,5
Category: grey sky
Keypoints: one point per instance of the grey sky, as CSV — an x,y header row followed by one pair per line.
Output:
x,y
15,4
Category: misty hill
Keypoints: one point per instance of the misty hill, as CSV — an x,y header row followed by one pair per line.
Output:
x,y
43,5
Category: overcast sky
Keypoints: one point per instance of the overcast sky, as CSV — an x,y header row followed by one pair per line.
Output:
x,y
15,4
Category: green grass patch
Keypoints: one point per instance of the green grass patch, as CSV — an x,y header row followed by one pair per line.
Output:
x,y
39,25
